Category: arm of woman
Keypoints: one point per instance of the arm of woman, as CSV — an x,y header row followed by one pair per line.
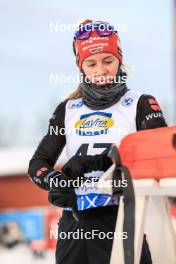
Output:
x,y
42,162
149,113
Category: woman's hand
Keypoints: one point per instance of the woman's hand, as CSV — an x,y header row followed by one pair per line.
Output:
x,y
78,165
62,193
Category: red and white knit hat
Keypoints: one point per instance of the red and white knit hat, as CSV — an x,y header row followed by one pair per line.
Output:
x,y
96,44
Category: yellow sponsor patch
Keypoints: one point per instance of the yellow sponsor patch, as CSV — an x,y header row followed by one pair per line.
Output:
x,y
96,123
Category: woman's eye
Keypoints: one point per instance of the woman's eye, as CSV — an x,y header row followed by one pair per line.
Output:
x,y
91,65
108,62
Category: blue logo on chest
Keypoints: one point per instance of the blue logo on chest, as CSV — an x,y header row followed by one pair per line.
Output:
x,y
127,101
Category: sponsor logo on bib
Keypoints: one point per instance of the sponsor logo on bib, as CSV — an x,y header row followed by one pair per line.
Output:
x,y
127,101
76,105
94,124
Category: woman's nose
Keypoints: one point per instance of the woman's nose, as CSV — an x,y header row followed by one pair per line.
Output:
x,y
101,70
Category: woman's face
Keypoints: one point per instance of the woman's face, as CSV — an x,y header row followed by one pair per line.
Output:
x,y
100,68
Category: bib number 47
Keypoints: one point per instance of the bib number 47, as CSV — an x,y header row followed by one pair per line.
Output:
x,y
84,149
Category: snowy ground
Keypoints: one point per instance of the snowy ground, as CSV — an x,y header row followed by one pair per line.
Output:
x,y
22,254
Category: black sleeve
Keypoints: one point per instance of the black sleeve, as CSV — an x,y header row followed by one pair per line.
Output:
x,y
149,114
49,148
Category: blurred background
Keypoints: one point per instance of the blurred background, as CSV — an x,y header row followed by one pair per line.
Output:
x,y
38,70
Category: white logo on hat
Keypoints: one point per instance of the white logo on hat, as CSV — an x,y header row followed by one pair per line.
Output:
x,y
96,49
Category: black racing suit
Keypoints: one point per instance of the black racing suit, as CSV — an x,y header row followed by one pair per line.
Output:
x,y
96,250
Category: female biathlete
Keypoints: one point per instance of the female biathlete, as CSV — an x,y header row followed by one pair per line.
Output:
x,y
99,113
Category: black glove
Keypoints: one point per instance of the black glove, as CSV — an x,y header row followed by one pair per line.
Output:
x,y
61,193
78,165
64,196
